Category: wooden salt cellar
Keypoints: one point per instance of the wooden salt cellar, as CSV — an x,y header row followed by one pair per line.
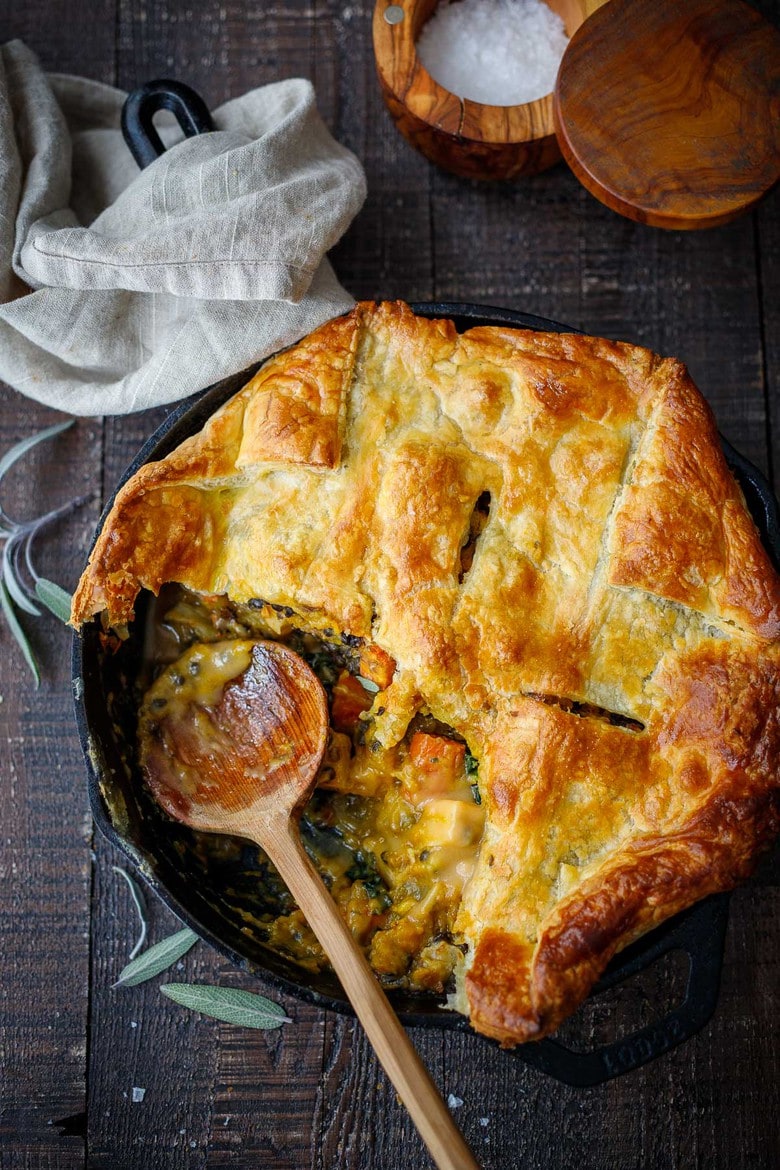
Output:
x,y
668,111
474,140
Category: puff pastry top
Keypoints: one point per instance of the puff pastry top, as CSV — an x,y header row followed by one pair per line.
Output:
x,y
609,648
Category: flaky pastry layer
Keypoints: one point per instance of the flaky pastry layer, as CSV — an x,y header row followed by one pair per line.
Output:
x,y
609,648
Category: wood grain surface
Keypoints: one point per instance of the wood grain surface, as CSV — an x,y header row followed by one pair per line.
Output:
x,y
670,112
311,1096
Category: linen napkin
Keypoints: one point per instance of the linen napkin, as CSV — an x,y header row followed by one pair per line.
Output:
x,y
123,289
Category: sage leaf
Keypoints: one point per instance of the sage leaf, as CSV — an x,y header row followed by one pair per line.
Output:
x,y
158,958
56,599
19,582
15,590
18,633
138,902
226,1003
13,453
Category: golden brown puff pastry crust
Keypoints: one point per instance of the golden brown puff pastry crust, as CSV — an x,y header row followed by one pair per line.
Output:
x,y
608,647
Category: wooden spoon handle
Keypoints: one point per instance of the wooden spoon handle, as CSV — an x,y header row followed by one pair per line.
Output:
x,y
383,1028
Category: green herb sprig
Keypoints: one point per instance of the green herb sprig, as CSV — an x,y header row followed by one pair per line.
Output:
x,y
157,958
244,1008
20,585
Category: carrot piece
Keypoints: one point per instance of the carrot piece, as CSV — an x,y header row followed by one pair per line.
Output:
x,y
438,764
376,665
436,753
349,701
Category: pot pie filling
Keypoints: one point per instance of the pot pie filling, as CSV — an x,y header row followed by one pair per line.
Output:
x,y
504,550
393,833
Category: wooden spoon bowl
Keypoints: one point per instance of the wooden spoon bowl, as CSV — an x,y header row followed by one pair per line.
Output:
x,y
232,733
469,138
231,737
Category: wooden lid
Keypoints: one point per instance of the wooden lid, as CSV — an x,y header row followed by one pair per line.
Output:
x,y
668,111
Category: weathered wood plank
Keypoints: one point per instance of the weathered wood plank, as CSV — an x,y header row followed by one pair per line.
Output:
x,y
44,858
67,37
387,252
312,1095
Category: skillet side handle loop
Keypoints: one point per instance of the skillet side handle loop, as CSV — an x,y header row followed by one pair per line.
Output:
x,y
700,933
188,107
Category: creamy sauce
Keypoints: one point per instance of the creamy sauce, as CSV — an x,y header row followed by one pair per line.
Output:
x,y
394,832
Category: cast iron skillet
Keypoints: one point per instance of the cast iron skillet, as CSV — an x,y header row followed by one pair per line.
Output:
x,y
222,896
224,893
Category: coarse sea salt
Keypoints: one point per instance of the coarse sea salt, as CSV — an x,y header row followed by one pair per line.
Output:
x,y
498,52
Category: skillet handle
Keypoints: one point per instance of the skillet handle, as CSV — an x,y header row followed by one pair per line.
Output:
x,y
188,107
699,933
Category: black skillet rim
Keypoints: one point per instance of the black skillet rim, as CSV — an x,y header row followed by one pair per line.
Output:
x,y
702,924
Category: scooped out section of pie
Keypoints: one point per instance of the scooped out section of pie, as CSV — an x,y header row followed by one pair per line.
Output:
x,y
511,557
394,833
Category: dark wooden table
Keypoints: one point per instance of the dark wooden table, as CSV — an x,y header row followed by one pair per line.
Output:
x,y
311,1095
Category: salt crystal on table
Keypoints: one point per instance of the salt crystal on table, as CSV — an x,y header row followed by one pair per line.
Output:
x,y
498,52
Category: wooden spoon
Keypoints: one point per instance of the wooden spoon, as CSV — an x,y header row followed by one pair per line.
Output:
x,y
231,739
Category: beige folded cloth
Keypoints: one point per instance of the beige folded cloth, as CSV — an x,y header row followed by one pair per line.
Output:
x,y
149,285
